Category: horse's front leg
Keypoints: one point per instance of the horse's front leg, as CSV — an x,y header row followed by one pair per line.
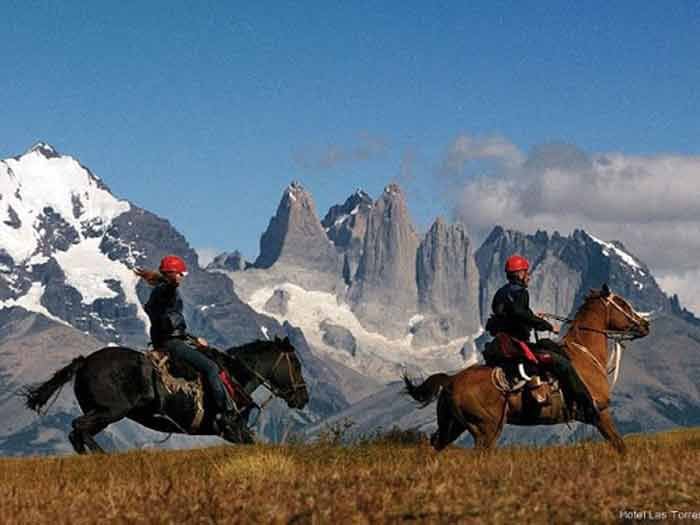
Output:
x,y
607,428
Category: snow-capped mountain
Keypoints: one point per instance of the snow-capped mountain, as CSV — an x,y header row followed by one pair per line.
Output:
x,y
56,213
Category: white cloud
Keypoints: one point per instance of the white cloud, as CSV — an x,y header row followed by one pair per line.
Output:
x,y
650,203
466,148
686,285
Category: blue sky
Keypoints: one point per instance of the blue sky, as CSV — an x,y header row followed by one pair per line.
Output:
x,y
203,112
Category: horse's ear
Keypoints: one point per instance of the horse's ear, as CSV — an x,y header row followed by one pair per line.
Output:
x,y
605,291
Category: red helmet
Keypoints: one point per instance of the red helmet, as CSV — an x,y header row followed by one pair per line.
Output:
x,y
172,263
515,263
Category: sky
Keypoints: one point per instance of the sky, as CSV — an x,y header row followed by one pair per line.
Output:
x,y
533,115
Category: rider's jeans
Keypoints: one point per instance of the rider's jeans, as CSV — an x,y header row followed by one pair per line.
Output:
x,y
181,350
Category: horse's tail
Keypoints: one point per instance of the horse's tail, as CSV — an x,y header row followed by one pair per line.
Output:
x,y
427,391
37,396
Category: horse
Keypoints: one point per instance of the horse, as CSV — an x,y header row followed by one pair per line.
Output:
x,y
472,400
115,382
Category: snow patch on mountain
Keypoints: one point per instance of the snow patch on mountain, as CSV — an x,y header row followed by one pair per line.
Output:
x,y
376,356
88,270
626,257
31,301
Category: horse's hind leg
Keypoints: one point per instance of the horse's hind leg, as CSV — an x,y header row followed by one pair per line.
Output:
x,y
88,425
449,428
488,427
606,427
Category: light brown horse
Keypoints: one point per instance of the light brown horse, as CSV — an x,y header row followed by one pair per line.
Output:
x,y
470,399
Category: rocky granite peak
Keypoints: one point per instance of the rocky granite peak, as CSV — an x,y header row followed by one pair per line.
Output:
x,y
295,235
383,291
448,284
346,225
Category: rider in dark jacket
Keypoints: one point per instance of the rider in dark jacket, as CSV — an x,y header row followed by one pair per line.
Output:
x,y
512,316
169,332
511,310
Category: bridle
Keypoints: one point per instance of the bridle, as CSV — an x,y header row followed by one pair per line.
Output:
x,y
616,336
297,381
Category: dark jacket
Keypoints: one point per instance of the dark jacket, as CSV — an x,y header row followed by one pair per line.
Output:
x,y
164,309
512,314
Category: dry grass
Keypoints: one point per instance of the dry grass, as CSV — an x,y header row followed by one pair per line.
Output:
x,y
369,483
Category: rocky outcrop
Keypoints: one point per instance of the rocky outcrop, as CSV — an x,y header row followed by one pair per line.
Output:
x,y
346,225
383,293
278,304
295,236
448,285
229,261
338,337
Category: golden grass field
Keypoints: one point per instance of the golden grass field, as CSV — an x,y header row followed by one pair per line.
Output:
x,y
376,482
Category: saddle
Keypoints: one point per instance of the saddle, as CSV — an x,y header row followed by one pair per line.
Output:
x,y
515,370
539,400
178,375
191,386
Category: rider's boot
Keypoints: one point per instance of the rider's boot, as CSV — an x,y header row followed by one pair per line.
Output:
x,y
574,388
583,398
590,410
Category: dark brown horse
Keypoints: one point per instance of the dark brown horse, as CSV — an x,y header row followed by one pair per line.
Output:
x,y
471,400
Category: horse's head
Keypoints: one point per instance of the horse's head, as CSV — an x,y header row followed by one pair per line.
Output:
x,y
287,374
619,314
276,365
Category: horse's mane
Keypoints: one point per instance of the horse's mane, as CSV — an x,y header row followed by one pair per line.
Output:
x,y
592,295
250,348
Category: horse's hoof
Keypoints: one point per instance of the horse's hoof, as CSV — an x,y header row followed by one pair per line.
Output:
x,y
435,442
78,444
